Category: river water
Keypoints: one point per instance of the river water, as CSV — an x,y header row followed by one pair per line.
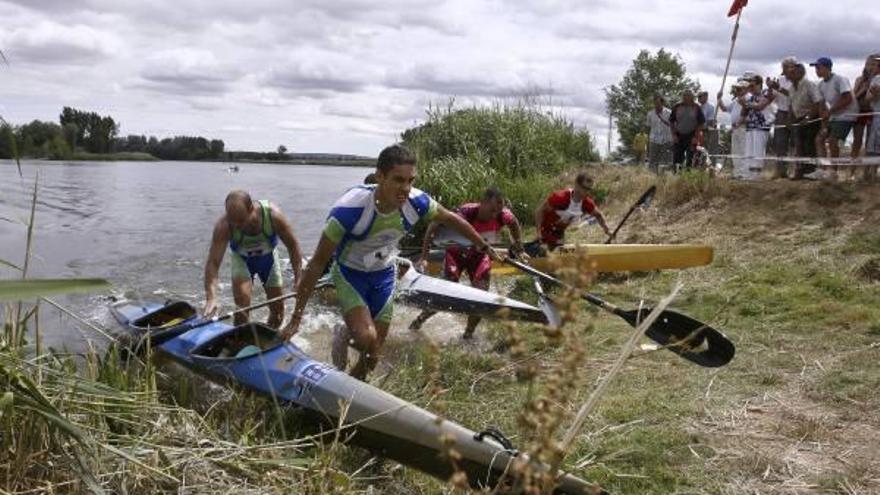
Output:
x,y
146,227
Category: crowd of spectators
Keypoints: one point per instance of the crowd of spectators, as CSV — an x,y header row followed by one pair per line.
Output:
x,y
793,117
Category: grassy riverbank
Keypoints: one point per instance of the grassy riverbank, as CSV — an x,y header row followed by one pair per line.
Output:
x,y
794,284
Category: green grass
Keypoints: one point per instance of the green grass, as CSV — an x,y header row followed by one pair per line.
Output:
x,y
783,288
520,148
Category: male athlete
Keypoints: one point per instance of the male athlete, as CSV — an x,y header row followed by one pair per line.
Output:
x,y
559,211
487,217
363,230
251,229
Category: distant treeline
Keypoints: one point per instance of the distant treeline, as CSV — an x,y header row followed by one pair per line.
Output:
x,y
81,135
88,133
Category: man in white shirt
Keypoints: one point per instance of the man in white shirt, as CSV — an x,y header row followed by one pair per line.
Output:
x,y
660,137
807,111
782,135
842,108
711,133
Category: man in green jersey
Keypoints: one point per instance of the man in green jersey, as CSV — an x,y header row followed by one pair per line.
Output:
x,y
251,229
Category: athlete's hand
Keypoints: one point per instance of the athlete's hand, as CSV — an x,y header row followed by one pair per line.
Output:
x,y
517,252
493,253
421,265
210,308
291,328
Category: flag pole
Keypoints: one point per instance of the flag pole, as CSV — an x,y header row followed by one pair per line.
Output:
x,y
732,44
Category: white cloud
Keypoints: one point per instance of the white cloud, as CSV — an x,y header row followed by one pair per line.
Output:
x,y
350,75
48,42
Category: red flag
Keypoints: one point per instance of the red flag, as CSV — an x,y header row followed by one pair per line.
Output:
x,y
736,7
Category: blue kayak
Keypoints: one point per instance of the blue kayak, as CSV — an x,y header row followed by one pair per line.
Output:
x,y
254,357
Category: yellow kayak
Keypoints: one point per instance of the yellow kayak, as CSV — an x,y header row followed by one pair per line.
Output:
x,y
606,258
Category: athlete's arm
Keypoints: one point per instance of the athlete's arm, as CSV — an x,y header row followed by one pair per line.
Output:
x,y
426,245
219,239
285,232
306,285
600,218
460,225
539,217
516,235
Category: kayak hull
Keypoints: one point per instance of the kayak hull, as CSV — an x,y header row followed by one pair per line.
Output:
x,y
380,421
443,295
604,258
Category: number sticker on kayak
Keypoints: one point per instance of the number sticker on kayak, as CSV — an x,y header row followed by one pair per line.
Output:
x,y
315,372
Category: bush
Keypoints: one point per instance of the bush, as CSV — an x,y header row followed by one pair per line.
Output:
x,y
519,148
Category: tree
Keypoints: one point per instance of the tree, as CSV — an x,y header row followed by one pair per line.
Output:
x,y
282,150
95,133
216,148
630,100
7,141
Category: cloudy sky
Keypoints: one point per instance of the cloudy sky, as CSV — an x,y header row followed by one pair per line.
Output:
x,y
349,75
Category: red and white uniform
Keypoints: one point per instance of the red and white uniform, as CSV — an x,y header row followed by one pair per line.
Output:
x,y
477,264
565,210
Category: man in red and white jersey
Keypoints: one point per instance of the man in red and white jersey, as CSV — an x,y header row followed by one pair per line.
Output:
x,y
560,210
487,217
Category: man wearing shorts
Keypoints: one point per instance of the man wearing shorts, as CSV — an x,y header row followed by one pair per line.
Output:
x,y
559,211
842,109
251,229
362,232
487,217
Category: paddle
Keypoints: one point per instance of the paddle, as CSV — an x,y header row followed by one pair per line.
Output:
x,y
679,333
554,320
162,336
643,201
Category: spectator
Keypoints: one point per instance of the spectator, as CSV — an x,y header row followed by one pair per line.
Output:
x,y
660,135
711,134
757,102
738,130
806,110
640,145
873,97
860,93
686,121
838,121
782,134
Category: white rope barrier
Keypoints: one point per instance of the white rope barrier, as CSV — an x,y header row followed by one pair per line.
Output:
x,y
823,162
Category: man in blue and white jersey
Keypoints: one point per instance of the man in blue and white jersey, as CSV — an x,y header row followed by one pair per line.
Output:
x,y
362,231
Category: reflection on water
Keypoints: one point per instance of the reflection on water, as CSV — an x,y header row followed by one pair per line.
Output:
x,y
146,227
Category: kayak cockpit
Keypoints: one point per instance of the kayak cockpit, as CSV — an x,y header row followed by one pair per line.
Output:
x,y
167,316
240,342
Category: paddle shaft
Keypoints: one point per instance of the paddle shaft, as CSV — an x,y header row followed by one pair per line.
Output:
x,y
592,298
642,200
161,337
669,329
230,314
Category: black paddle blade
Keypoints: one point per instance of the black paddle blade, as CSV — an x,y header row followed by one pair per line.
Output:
x,y
646,198
685,336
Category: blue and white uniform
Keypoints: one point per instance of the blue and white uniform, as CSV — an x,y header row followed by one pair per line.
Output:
x,y
367,240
